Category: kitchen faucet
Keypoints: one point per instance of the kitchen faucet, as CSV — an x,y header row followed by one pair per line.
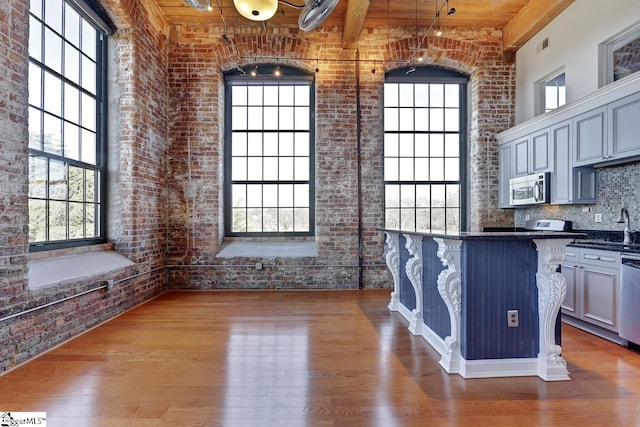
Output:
x,y
624,217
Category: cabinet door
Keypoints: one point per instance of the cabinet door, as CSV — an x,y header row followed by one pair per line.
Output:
x,y
562,176
570,304
585,185
624,127
539,153
589,137
504,164
520,153
600,296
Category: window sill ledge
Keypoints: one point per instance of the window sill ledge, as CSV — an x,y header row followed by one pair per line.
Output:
x,y
268,250
59,269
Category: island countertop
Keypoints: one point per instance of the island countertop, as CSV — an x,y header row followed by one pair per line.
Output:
x,y
492,235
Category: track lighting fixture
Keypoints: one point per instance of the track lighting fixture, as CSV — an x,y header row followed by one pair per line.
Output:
x,y
434,21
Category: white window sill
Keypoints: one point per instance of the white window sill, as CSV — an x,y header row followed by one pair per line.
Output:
x,y
64,269
268,250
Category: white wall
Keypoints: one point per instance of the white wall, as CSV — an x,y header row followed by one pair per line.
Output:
x,y
574,37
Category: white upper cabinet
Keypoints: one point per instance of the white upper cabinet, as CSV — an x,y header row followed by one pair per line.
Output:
x,y
589,137
520,164
504,165
624,127
562,180
539,152
531,154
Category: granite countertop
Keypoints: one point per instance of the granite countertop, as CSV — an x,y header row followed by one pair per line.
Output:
x,y
606,245
494,235
608,240
590,239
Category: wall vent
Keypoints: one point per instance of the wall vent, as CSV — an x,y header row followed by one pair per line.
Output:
x,y
542,45
545,43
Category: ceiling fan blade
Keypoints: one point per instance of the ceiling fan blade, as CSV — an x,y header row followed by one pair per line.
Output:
x,y
314,12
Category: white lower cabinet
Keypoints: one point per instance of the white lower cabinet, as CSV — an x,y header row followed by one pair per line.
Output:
x,y
593,286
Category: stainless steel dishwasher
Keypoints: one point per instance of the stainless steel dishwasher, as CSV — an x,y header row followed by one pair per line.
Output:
x,y
630,298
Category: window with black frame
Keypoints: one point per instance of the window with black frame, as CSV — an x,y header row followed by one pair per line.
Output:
x,y
425,149
269,147
66,138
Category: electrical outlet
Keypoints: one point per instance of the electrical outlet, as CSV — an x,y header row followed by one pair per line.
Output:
x,y
598,217
512,318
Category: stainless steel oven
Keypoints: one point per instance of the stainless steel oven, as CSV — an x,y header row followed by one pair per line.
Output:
x,y
630,298
529,189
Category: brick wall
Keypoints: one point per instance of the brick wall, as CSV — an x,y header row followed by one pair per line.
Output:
x,y
165,126
199,55
13,162
137,194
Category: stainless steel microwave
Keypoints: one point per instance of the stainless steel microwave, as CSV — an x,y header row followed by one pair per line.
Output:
x,y
529,189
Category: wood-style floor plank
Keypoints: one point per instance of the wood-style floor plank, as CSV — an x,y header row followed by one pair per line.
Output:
x,y
301,359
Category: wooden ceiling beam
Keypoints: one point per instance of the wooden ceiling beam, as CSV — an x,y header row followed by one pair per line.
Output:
x,y
353,20
531,19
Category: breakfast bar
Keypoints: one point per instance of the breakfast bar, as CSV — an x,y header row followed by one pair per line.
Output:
x,y
488,302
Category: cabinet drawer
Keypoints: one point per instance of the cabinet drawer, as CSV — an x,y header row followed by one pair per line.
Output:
x,y
572,256
600,258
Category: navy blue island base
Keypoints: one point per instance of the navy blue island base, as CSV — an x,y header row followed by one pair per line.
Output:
x,y
456,290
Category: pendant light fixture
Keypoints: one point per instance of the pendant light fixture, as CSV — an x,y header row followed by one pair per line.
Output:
x,y
256,10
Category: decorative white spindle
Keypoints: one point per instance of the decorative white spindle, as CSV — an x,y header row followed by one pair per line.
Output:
x,y
449,286
414,273
393,264
552,289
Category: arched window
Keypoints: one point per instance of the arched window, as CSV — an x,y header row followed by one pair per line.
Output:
x,y
269,146
425,149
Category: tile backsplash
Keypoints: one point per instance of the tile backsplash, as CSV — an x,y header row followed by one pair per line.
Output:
x,y
618,186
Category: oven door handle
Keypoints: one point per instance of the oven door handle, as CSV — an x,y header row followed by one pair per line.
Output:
x,y
630,261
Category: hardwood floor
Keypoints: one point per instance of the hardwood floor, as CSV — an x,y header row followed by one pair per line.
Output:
x,y
301,359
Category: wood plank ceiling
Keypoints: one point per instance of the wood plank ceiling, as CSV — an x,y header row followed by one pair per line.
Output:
x,y
520,19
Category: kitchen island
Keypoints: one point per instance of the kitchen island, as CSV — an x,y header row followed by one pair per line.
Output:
x,y
459,291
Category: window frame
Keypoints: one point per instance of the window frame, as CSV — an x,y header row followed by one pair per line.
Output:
x,y
265,74
540,93
89,13
606,50
436,75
